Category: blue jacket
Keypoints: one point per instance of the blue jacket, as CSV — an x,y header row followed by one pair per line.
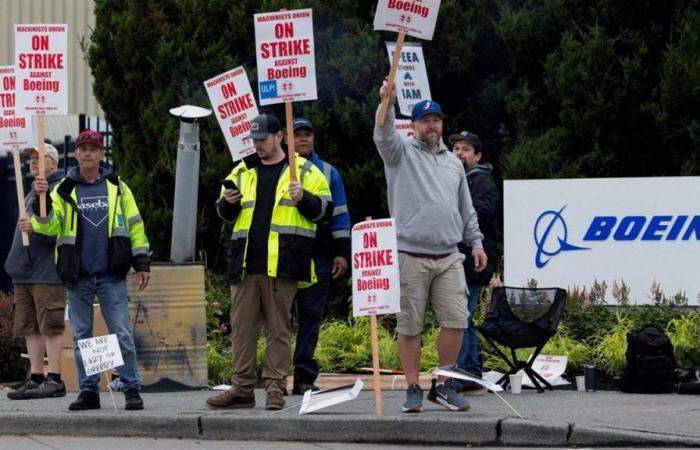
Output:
x,y
333,237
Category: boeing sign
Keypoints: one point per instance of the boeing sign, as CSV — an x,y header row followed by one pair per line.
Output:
x,y
572,232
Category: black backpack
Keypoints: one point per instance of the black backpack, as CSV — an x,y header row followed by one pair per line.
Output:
x,y
651,367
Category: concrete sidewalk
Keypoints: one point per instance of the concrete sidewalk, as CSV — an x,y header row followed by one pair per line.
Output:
x,y
558,418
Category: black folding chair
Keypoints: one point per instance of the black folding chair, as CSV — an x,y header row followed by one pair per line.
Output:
x,y
522,318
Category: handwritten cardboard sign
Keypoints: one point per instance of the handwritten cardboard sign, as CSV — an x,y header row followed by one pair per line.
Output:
x,y
41,68
376,287
100,353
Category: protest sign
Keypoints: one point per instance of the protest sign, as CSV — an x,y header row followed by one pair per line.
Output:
x,y
232,99
313,401
411,78
404,128
15,129
284,42
375,268
549,367
416,18
41,68
100,353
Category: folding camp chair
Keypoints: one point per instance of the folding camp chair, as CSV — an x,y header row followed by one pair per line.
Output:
x,y
522,318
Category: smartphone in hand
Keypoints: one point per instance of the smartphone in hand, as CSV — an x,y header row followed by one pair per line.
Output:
x,y
229,184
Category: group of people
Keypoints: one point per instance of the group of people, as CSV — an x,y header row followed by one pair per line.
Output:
x,y
290,236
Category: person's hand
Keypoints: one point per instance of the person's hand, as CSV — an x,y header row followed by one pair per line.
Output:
x,y
495,281
386,91
142,278
232,195
41,185
296,192
25,224
480,259
339,266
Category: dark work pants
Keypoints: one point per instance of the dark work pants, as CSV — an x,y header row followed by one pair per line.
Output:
x,y
308,308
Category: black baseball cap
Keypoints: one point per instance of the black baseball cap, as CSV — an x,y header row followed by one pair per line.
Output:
x,y
300,122
472,138
263,125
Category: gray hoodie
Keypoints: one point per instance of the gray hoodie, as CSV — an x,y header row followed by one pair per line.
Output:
x,y
34,264
427,193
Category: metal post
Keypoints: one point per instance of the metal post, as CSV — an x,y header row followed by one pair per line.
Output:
x,y
182,244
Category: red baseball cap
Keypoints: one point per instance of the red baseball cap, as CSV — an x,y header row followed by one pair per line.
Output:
x,y
90,137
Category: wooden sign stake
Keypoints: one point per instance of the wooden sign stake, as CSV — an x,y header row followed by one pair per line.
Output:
x,y
20,193
290,140
392,75
42,162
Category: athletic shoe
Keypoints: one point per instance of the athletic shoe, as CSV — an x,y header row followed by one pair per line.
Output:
x,y
301,387
86,400
414,399
472,388
20,390
50,388
444,394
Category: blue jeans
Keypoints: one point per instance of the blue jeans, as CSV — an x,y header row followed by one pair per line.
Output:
x,y
309,304
468,358
111,292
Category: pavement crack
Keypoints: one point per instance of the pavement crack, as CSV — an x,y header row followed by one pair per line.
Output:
x,y
569,431
32,438
499,430
200,428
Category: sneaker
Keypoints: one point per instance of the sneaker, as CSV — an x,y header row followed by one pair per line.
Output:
x,y
445,394
471,388
132,400
50,388
301,387
20,391
86,400
274,401
414,399
230,400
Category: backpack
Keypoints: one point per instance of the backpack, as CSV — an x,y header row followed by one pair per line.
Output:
x,y
651,366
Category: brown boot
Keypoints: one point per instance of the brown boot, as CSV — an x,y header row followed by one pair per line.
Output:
x,y
275,401
230,400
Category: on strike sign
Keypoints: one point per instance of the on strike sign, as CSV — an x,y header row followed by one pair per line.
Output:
x,y
15,130
232,99
41,68
284,42
404,128
413,17
411,78
376,287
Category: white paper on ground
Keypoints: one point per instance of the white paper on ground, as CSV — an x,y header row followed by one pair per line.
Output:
x,y
461,375
313,401
221,387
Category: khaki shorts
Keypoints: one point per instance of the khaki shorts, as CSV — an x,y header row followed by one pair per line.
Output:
x,y
440,280
39,309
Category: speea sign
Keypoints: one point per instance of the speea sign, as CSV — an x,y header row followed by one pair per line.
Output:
x,y
571,232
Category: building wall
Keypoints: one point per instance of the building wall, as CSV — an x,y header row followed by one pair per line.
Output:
x,y
80,17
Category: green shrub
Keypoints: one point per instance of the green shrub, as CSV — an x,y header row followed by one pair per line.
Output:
x,y
684,333
609,348
429,358
219,364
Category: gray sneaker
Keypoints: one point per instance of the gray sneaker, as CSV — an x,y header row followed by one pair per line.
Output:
x,y
414,399
48,389
445,394
20,392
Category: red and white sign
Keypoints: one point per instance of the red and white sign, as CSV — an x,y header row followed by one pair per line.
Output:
x,y
41,68
413,17
404,128
284,43
376,286
233,103
15,130
411,77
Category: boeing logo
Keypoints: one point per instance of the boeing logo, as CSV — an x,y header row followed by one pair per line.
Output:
x,y
551,232
551,237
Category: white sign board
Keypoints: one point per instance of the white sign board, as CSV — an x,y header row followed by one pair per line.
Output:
x,y
15,130
233,103
284,47
404,128
41,68
411,78
462,375
549,367
313,401
413,17
100,353
571,232
376,286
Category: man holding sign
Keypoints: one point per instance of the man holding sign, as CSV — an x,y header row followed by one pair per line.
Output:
x,y
40,298
429,198
274,228
100,237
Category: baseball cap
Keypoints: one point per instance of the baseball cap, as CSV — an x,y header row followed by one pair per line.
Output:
x,y
303,123
263,125
425,107
90,137
472,138
49,150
